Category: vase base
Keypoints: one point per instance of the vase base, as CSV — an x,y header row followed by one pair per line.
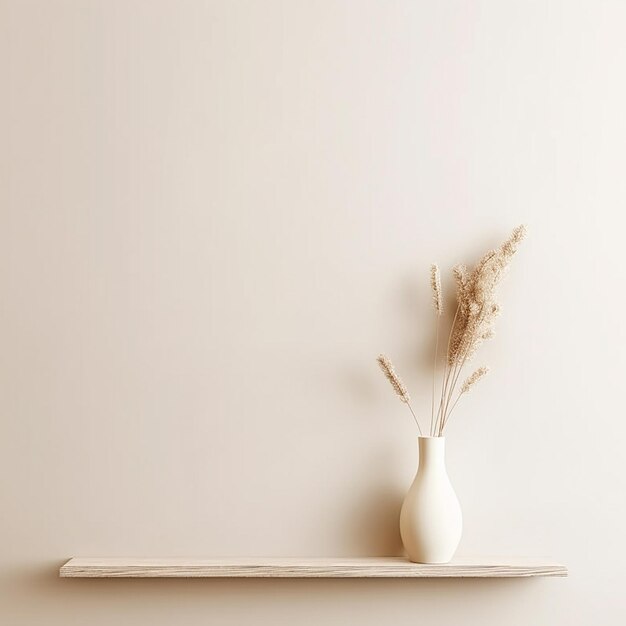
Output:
x,y
429,562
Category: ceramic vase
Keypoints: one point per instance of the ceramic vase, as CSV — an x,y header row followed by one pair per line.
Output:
x,y
430,521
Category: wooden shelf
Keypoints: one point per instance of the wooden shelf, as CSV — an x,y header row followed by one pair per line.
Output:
x,y
304,567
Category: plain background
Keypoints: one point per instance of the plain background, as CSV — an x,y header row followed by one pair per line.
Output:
x,y
214,216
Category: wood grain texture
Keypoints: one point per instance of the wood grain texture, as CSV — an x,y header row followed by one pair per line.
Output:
x,y
304,567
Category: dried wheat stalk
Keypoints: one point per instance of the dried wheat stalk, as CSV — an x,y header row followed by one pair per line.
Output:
x,y
435,285
398,386
471,380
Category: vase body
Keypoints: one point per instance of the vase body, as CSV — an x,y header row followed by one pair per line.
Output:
x,y
430,521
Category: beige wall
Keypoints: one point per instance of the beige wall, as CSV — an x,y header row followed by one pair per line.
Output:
x,y
215,214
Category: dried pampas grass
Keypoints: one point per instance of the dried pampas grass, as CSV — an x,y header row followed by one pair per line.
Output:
x,y
473,323
477,308
477,311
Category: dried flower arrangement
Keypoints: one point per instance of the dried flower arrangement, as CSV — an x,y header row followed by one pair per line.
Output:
x,y
473,322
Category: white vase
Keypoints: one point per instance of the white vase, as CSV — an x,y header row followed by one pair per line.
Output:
x,y
430,521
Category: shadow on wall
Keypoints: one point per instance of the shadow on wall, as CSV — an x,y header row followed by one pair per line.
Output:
x,y
372,525
371,516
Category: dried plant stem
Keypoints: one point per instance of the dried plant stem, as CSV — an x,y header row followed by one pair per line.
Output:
x,y
432,408
435,285
450,412
456,372
458,368
451,409
446,369
451,379
415,418
444,393
397,385
468,385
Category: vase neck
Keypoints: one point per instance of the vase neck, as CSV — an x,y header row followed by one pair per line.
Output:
x,y
431,451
